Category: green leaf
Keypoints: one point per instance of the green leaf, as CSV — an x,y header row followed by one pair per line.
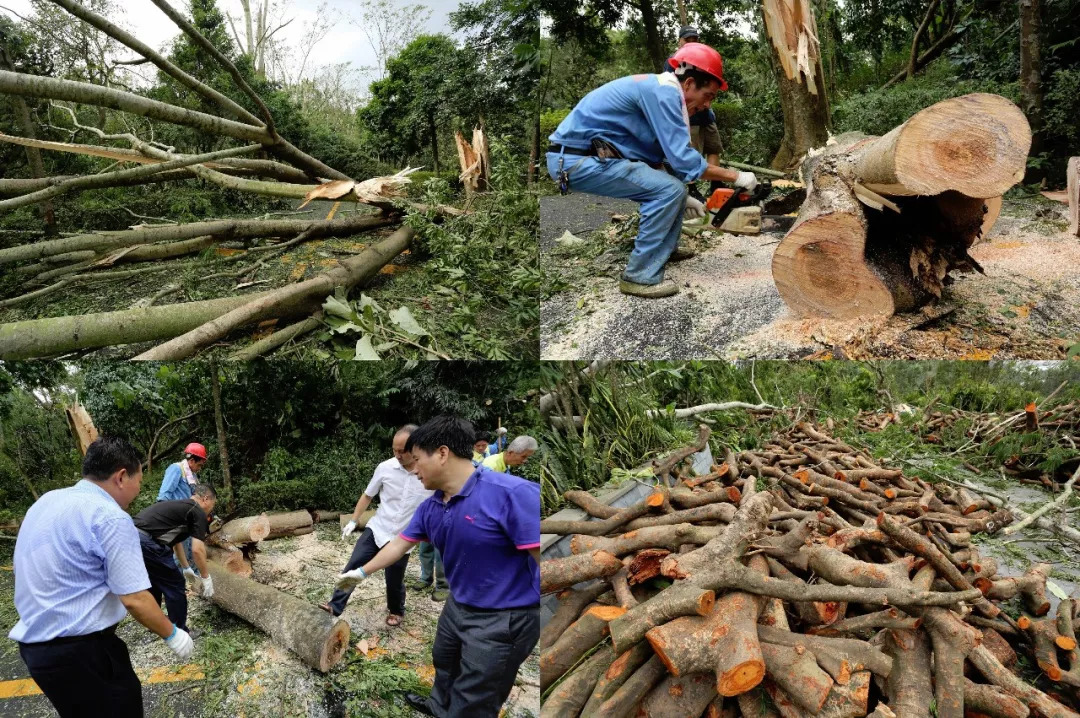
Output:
x,y
385,347
336,308
405,320
364,350
366,301
1056,590
1008,313
1073,351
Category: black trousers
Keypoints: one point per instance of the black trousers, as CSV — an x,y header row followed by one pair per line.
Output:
x,y
166,580
86,676
476,654
365,550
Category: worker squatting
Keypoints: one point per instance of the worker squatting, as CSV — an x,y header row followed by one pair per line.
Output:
x,y
633,139
82,563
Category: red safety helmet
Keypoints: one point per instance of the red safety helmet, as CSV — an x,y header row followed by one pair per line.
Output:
x,y
701,57
195,450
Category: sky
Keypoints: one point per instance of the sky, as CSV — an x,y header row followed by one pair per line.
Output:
x,y
345,43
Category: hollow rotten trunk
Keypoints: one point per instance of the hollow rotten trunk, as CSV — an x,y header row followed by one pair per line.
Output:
x,y
850,254
319,639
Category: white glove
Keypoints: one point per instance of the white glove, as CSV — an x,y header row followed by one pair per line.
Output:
x,y
746,181
189,572
180,643
190,578
207,587
349,528
695,209
501,431
350,579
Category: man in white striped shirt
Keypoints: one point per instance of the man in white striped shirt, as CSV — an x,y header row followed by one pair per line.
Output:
x,y
78,572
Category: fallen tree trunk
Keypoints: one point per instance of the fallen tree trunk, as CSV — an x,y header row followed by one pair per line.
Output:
x,y
287,524
231,558
317,638
843,260
361,523
291,300
240,531
224,228
1073,189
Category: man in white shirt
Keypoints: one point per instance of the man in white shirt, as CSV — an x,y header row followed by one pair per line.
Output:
x,y
399,492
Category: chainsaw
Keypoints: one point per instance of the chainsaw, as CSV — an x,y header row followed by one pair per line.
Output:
x,y
738,210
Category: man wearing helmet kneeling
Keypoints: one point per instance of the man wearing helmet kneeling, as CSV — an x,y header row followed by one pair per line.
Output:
x,y
615,143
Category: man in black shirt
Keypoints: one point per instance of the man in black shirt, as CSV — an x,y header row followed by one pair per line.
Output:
x,y
163,527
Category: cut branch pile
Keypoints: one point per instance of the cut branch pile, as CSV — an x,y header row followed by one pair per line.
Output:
x,y
799,579
887,218
62,264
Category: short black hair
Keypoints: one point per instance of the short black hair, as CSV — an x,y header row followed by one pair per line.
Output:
x,y
204,490
107,455
701,79
483,436
456,434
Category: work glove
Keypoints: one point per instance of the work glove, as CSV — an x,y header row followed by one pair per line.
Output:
x,y
190,578
746,181
350,579
501,431
695,209
207,587
348,529
180,643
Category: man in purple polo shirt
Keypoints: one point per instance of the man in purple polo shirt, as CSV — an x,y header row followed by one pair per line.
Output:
x,y
486,525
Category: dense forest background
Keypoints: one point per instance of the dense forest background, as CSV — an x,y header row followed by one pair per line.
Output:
x,y
866,50
298,434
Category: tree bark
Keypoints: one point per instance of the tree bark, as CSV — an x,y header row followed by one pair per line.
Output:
x,y
240,531
571,603
573,693
1031,90
231,558
575,642
287,523
616,674
319,639
219,423
557,574
33,154
679,697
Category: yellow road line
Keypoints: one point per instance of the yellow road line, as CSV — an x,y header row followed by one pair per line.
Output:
x,y
164,674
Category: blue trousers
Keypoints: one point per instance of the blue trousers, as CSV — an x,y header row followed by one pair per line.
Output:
x,y
662,198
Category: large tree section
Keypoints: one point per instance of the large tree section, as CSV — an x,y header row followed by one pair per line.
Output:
x,y
319,639
887,218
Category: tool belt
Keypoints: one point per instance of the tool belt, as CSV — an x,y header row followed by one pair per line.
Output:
x,y
601,149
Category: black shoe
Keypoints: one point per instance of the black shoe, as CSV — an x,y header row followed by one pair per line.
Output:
x,y
419,704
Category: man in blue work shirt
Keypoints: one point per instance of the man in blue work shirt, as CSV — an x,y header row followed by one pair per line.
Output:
x,y
486,525
615,141
78,572
176,486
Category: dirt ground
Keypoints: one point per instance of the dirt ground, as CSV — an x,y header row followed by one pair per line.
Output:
x,y
1026,306
237,672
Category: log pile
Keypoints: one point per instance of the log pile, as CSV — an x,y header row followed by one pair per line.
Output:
x,y
798,579
887,218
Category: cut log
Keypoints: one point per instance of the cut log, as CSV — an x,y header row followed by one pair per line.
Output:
x,y
1073,188
669,537
572,694
848,700
679,697
630,693
231,558
345,517
571,603
842,260
795,669
575,642
1031,586
992,701
319,639
319,515
909,687
561,573
617,673
240,531
287,524
604,526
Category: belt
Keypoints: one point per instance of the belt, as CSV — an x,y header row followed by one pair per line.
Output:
x,y
571,150
61,640
477,609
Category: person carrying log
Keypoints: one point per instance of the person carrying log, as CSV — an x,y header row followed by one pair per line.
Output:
x,y
516,454
179,479
77,573
163,528
615,143
399,492
486,525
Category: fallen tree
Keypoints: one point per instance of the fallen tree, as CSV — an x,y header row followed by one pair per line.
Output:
x,y
887,218
317,638
876,580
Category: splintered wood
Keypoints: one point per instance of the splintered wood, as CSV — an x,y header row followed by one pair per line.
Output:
x,y
887,218
820,583
81,426
790,25
474,160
